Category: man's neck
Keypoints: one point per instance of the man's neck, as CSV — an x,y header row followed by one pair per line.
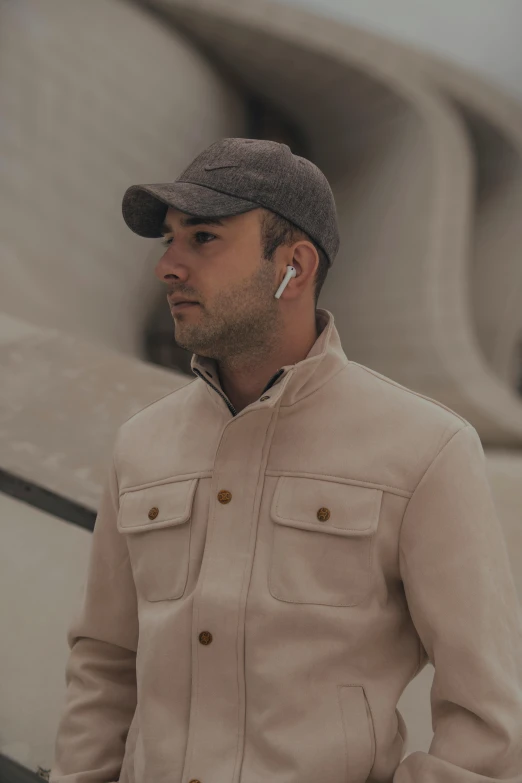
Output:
x,y
244,384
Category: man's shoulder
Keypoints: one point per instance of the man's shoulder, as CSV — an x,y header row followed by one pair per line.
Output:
x,y
400,430
156,411
384,397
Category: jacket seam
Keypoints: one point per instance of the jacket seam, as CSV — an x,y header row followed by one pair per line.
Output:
x,y
117,477
419,639
341,480
461,429
122,425
214,396
173,479
420,656
316,388
172,391
411,391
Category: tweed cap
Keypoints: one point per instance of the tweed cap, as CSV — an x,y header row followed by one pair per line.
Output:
x,y
237,175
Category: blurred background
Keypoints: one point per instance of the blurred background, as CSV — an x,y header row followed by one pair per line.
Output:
x,y
414,113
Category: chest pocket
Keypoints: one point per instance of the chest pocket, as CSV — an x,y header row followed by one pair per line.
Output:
x,y
156,522
322,541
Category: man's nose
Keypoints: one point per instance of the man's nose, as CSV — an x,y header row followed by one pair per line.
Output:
x,y
168,265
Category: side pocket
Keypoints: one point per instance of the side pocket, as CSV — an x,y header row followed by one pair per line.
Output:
x,y
358,731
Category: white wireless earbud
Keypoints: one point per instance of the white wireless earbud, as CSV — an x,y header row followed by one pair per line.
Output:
x,y
290,272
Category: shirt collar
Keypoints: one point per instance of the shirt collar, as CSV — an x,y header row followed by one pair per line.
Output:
x,y
292,381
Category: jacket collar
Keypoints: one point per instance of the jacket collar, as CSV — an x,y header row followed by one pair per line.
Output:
x,y
291,382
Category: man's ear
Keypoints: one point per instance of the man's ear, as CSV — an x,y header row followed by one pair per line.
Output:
x,y
305,260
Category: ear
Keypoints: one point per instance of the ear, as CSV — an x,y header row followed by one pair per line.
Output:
x,y
305,259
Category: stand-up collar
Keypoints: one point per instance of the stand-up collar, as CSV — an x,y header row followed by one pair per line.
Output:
x,y
292,381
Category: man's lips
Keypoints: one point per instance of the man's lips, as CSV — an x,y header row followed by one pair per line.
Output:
x,y
182,303
179,299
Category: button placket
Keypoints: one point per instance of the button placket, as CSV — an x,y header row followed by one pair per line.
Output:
x,y
221,600
224,496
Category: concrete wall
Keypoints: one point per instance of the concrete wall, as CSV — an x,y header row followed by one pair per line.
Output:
x,y
94,97
422,214
479,34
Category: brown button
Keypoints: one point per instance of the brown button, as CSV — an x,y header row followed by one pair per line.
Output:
x,y
194,781
224,496
264,398
153,513
205,637
323,514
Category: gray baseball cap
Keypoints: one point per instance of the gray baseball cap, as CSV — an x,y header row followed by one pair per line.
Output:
x,y
237,175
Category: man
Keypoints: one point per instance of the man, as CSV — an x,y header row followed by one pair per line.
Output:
x,y
284,542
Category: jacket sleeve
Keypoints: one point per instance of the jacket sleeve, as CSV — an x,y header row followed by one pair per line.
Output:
x,y
463,602
100,674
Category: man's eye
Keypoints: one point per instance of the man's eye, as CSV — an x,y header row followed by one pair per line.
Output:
x,y
203,233
166,242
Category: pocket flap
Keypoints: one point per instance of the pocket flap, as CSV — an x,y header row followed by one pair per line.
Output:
x,y
164,505
326,506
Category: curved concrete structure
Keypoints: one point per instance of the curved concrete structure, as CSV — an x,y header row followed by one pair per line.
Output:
x,y
62,400
94,97
427,287
493,124
402,168
482,37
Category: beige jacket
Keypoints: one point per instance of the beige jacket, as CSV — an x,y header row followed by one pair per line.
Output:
x,y
263,586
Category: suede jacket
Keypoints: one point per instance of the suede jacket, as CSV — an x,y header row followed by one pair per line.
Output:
x,y
264,584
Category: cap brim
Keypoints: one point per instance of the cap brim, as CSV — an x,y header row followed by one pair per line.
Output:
x,y
144,206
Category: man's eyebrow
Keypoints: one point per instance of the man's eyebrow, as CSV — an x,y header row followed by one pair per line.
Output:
x,y
194,221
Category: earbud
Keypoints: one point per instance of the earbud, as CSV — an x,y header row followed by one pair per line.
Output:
x,y
290,272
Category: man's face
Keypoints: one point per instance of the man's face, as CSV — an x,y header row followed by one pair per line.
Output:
x,y
222,268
